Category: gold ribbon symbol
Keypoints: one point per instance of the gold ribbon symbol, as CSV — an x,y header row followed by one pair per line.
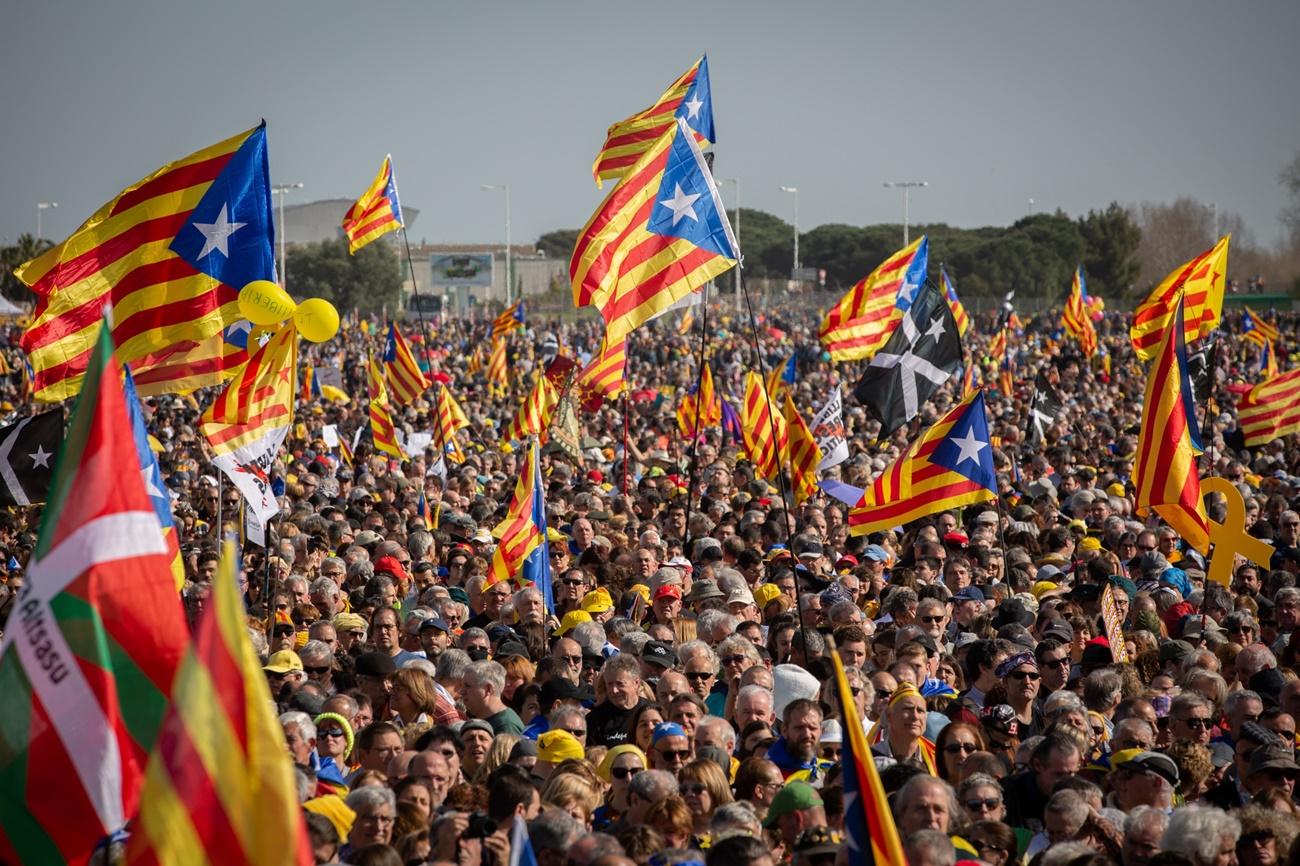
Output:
x,y
1230,537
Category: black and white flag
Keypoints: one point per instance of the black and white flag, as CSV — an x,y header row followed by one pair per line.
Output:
x,y
1043,411
920,356
27,451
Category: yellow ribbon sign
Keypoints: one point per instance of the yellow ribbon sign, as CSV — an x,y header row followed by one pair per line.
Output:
x,y
1230,537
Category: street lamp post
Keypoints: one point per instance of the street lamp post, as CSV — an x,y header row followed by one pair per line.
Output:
x,y
736,226
505,187
795,191
1031,207
41,208
906,186
282,189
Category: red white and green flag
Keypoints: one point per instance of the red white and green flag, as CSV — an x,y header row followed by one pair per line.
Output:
x,y
92,645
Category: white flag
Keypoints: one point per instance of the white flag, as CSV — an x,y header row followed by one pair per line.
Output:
x,y
828,430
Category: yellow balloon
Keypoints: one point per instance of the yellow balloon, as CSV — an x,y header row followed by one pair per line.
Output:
x,y
262,302
317,319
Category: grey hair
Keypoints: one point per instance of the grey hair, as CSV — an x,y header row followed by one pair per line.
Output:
x,y
472,633
333,560
360,573
487,672
735,819
371,796
1070,805
621,664
452,665
553,830
1237,697
930,847
1101,689
1199,832
912,787
1066,852
653,785
326,585
1140,817
1061,701
978,780
738,644
728,732
590,636
306,727
317,649
632,643
305,781
258,639
297,580
418,544
696,647
709,620
1188,701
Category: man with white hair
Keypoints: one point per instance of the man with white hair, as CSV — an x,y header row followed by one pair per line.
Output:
x,y
299,736
754,703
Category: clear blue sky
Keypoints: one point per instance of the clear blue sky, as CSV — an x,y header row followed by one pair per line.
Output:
x,y
993,102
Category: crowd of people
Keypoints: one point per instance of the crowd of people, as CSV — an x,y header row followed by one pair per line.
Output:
x,y
677,702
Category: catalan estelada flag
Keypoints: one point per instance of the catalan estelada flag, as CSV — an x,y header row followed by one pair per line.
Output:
x,y
534,415
510,320
872,836
496,368
1199,285
154,485
780,377
689,99
1270,410
1268,360
170,254
1076,318
521,554
1258,331
345,450
959,314
406,383
425,513
376,213
804,453
220,785
767,440
700,407
450,418
382,431
949,466
1164,470
661,234
90,658
863,320
998,347
602,378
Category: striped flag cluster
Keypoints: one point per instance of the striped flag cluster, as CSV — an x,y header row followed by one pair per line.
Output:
x,y
376,213
406,383
170,254
700,408
865,318
949,466
766,436
512,319
498,379
688,99
534,415
450,418
1198,286
89,662
1164,471
604,377
521,555
805,456
1270,410
220,784
382,431
1076,318
998,347
660,235
1257,330
249,421
959,314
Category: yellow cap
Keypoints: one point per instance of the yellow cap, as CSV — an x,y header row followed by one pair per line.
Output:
x,y
1116,489
765,594
1090,544
597,601
572,620
557,746
1041,588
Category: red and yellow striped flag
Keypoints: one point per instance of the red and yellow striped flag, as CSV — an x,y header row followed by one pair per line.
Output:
x,y
534,416
496,369
450,419
700,409
998,348
767,439
170,254
1257,330
1077,319
382,430
602,378
863,320
517,557
475,361
626,141
804,454
1199,285
1164,470
1270,410
402,374
376,213
220,786
510,320
959,313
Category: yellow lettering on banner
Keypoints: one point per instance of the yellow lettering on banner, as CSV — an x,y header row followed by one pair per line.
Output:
x,y
1230,538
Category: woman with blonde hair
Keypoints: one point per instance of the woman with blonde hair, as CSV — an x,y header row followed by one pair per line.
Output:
x,y
672,820
573,794
498,754
519,672
413,697
704,788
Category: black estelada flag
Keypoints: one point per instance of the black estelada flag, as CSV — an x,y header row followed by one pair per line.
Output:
x,y
919,357
1200,369
27,451
1043,411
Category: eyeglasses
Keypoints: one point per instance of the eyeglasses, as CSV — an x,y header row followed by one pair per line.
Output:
x,y
624,772
955,747
1199,724
933,619
1032,676
572,660
986,804
693,788
734,660
674,754
699,676
883,695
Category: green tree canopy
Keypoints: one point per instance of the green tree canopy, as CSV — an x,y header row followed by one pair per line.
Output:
x,y
368,281
558,244
27,248
1110,259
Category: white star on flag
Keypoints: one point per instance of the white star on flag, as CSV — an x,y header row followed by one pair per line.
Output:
x,y
693,107
935,330
217,234
970,446
41,457
681,204
149,487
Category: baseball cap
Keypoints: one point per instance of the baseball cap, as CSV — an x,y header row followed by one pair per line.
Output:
x,y
876,553
659,653
794,797
572,620
556,746
597,601
1156,762
282,662
668,590
969,593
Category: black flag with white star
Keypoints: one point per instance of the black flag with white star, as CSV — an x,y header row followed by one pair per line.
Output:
x,y
1044,410
27,451
920,356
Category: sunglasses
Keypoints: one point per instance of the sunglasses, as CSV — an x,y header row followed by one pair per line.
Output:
x,y
932,619
734,660
1063,662
624,772
1199,724
573,660
674,754
330,732
954,748
987,804
699,675
576,732
574,582
1032,676
320,670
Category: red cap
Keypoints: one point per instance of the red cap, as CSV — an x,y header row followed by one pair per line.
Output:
x,y
390,565
595,475
849,558
957,538
668,590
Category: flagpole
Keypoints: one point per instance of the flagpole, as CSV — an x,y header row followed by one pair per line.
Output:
x,y
699,384
415,292
625,454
